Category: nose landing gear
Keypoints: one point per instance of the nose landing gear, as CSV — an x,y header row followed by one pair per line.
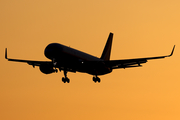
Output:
x,y
65,79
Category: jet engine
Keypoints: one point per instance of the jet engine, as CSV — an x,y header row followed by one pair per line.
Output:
x,y
46,69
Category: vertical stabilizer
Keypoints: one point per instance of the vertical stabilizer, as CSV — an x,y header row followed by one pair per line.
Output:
x,y
107,49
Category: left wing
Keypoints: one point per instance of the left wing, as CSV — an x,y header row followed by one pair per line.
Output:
x,y
30,62
126,63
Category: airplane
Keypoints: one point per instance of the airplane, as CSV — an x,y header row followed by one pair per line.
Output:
x,y
71,60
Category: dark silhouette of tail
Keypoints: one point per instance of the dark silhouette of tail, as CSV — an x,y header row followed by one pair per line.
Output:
x,y
107,49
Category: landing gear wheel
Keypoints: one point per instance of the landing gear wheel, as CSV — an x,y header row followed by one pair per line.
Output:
x,y
98,79
67,80
64,80
94,79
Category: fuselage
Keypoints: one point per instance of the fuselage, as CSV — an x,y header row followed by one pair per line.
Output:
x,y
68,59
75,60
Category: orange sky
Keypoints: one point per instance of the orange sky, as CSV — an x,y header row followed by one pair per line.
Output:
x,y
142,28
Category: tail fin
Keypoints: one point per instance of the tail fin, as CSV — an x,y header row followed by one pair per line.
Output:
x,y
107,49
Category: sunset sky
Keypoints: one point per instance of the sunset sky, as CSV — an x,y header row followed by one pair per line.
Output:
x,y
142,28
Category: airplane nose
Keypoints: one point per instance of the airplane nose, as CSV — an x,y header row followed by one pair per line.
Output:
x,y
48,53
52,50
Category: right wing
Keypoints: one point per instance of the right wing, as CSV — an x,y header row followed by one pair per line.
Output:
x,y
126,63
30,62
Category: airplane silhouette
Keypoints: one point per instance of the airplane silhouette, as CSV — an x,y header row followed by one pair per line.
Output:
x,y
72,60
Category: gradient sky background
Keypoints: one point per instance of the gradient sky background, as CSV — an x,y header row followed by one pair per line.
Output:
x,y
142,28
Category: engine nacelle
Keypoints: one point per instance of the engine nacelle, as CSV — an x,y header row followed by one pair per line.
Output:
x,y
46,69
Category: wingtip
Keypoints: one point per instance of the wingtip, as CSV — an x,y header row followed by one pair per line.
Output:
x,y
172,51
6,53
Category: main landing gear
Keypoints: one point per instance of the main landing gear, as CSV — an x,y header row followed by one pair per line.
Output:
x,y
65,79
96,79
